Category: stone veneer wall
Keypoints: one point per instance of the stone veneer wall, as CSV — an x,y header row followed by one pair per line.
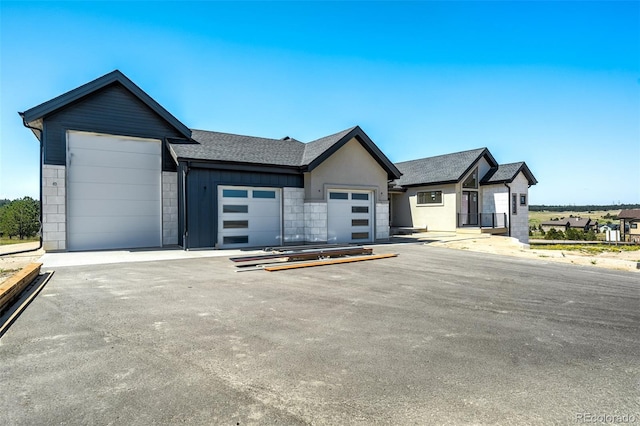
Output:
x,y
169,208
382,221
315,222
54,213
293,215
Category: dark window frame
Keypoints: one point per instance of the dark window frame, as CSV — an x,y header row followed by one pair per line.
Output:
x,y
430,195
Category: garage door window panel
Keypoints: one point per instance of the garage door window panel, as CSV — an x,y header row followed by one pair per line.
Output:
x,y
264,194
236,239
234,193
234,208
338,196
359,196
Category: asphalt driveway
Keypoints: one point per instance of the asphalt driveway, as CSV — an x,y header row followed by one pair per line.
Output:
x,y
434,336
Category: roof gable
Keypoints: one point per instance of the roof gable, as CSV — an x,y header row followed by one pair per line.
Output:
x,y
115,77
506,173
441,169
319,150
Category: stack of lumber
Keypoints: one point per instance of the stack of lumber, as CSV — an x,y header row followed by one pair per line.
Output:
x,y
283,258
13,286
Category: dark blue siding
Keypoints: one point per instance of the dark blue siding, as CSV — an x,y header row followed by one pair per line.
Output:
x,y
113,110
202,199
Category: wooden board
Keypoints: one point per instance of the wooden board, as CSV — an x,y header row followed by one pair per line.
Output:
x,y
14,285
329,262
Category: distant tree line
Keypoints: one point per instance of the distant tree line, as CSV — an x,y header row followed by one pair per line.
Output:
x,y
19,218
585,208
569,234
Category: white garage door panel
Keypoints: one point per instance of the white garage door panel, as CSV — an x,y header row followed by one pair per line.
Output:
x,y
97,174
110,240
262,219
109,143
110,224
105,207
114,192
350,216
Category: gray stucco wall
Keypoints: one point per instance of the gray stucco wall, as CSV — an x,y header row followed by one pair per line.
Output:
x,y
349,167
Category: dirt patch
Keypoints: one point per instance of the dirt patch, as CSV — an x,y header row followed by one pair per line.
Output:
x,y
626,261
10,264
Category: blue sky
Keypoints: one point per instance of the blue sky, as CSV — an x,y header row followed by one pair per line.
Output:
x,y
556,84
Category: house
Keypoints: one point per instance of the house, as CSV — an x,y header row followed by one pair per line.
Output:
x,y
463,192
119,171
578,223
630,218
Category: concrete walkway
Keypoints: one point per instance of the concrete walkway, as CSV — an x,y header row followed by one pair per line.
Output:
x,y
56,260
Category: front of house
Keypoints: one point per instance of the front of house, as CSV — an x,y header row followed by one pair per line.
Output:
x,y
463,192
119,171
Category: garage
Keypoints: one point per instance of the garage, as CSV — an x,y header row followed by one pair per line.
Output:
x,y
350,216
114,190
249,217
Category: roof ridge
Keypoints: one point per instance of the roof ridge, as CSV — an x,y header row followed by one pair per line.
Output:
x,y
443,155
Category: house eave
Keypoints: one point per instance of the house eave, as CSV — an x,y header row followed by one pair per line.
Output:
x,y
239,166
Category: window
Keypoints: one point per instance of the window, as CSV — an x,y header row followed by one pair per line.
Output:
x,y
359,235
359,196
231,208
234,193
359,222
239,239
523,199
472,180
339,195
430,197
359,209
514,203
634,226
264,194
234,224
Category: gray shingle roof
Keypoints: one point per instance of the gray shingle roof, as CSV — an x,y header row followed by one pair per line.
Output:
x,y
285,152
217,146
629,214
315,148
573,222
507,173
439,169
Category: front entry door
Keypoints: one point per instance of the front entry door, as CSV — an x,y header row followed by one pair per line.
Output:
x,y
470,207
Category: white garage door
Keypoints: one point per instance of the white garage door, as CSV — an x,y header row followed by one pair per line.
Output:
x,y
249,217
350,216
114,189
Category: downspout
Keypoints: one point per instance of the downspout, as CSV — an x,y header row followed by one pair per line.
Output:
x,y
185,228
509,206
25,124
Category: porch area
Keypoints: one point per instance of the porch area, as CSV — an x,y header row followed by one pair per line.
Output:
x,y
482,223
